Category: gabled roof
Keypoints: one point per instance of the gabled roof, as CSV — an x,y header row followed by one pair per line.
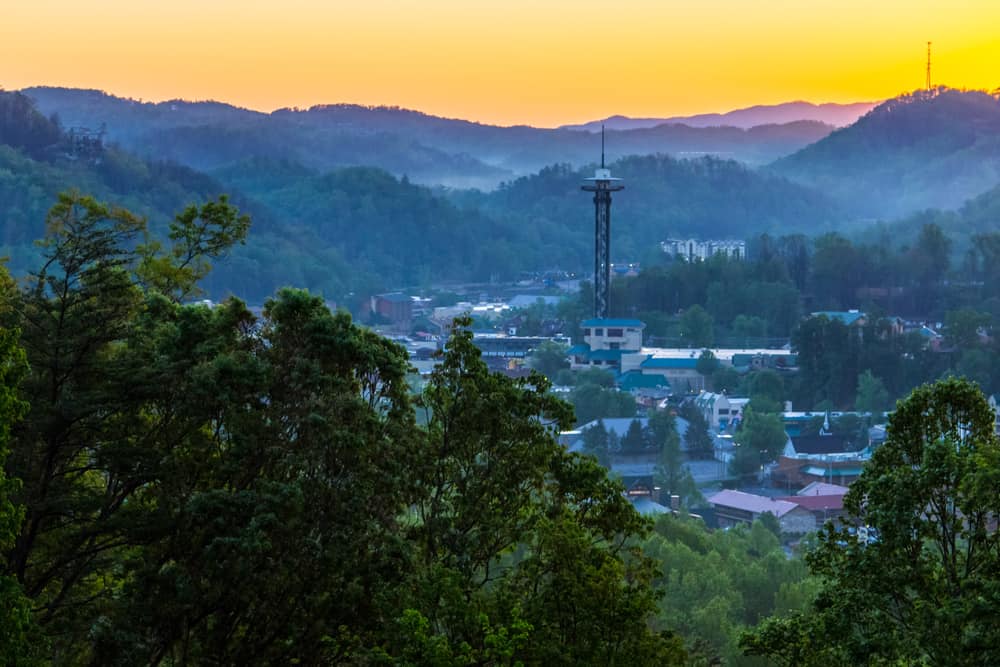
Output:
x,y
822,489
750,502
817,503
612,322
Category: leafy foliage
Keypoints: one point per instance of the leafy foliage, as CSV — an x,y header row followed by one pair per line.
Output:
x,y
922,590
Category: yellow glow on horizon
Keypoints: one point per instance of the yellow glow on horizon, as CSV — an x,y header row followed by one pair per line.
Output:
x,y
542,63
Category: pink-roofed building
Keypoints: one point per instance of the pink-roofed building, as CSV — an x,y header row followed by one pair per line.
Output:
x,y
736,507
824,508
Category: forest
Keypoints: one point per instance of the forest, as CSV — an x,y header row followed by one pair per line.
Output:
x,y
194,485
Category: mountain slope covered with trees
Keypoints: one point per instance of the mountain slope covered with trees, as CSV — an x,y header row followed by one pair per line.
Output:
x,y
929,149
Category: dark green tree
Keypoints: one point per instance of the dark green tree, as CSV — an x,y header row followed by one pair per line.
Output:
x,y
698,440
696,327
634,440
595,443
549,358
19,640
922,589
872,395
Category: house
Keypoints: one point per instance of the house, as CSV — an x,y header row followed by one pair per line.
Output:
x,y
720,411
824,508
735,507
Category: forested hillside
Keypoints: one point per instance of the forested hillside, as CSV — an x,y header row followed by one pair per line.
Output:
x,y
362,229
663,197
927,149
427,149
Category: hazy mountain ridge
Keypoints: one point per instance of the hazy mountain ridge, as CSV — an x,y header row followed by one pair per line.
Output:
x,y
428,149
836,115
932,149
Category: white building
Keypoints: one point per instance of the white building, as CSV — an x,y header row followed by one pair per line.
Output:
x,y
693,250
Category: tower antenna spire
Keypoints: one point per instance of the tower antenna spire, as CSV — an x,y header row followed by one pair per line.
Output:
x,y
602,129
928,65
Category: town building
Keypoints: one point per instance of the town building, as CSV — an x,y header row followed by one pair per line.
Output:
x,y
693,250
818,458
393,310
605,340
736,507
721,412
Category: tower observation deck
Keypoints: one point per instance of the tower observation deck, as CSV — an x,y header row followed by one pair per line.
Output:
x,y
602,185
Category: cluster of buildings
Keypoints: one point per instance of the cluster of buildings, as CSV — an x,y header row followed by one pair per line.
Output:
x,y
693,250
616,345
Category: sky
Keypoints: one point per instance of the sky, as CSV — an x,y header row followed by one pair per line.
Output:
x,y
538,62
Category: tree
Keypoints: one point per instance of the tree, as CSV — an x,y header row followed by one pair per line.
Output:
x,y
595,443
962,327
19,643
634,440
707,364
767,391
593,402
761,439
698,440
922,588
872,395
549,358
696,327
671,474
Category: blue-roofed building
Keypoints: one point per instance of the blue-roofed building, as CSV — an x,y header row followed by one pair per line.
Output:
x,y
605,340
851,318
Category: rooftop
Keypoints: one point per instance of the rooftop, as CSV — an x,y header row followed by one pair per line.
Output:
x,y
612,322
750,502
817,503
822,489
848,317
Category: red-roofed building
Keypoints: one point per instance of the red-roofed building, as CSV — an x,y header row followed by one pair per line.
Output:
x,y
824,507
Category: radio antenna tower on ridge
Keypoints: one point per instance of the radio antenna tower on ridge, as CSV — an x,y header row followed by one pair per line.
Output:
x,y
928,66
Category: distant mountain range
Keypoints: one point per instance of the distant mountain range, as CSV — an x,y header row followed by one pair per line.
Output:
x,y
928,149
428,149
837,115
333,213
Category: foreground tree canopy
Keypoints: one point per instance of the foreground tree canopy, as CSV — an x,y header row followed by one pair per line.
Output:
x,y
203,486
925,588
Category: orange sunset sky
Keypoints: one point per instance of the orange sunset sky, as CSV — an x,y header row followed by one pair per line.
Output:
x,y
519,61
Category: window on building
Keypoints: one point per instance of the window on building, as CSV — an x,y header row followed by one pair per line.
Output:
x,y
598,332
586,331
615,346
615,333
